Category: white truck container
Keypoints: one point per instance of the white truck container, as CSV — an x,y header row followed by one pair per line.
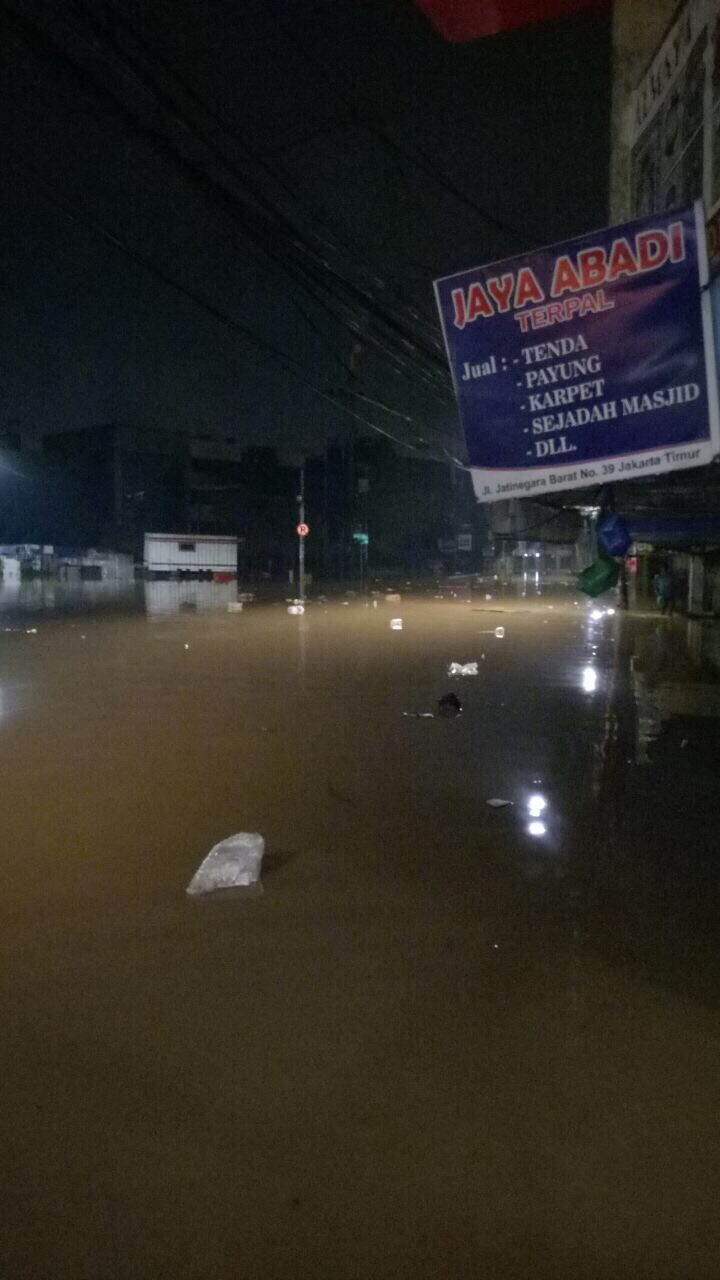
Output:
x,y
199,555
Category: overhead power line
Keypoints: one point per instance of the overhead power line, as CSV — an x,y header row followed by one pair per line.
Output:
x,y
367,119
274,353
257,157
296,256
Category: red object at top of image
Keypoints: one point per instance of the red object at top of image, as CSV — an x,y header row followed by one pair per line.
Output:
x,y
460,20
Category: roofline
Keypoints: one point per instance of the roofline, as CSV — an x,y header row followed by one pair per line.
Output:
x,y
192,537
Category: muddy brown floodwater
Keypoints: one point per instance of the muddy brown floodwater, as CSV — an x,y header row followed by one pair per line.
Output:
x,y
446,1041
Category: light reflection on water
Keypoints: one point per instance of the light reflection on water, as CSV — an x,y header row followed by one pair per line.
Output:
x,y
537,804
589,680
39,595
163,599
156,599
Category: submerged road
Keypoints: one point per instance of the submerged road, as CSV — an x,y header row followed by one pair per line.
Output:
x,y
447,1040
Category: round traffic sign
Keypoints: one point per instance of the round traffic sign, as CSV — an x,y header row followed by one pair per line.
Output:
x,y
303,530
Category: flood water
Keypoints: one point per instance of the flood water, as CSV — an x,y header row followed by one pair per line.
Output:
x,y
447,1040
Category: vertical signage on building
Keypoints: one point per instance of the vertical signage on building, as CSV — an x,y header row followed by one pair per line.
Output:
x,y
674,125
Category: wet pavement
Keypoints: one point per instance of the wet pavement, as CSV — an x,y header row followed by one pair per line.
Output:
x,y
447,1039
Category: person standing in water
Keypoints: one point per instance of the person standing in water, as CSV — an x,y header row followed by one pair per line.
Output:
x,y
663,585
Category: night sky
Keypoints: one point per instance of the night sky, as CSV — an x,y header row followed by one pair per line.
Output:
x,y
304,170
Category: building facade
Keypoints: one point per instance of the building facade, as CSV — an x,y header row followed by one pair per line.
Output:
x,y
665,154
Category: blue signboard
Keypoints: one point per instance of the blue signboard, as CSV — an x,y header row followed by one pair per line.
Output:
x,y
587,362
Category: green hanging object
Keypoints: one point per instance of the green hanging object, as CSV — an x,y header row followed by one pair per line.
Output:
x,y
599,577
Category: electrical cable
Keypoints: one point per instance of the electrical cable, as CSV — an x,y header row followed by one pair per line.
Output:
x,y
260,233
270,350
254,157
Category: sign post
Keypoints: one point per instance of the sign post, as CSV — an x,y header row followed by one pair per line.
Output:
x,y
362,541
586,363
302,531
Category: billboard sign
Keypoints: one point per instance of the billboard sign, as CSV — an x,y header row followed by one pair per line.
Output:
x,y
587,362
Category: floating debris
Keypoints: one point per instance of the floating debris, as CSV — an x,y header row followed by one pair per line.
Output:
x,y
231,864
463,669
449,705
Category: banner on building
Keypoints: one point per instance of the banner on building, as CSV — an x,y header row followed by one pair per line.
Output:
x,y
588,362
674,122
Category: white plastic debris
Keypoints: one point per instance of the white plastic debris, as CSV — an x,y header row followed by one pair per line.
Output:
x,y
463,669
396,624
296,609
374,604
235,606
246,597
488,595
231,864
496,803
392,597
499,633
419,715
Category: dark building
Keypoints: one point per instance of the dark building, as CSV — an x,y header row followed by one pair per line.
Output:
x,y
108,485
115,483
417,513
